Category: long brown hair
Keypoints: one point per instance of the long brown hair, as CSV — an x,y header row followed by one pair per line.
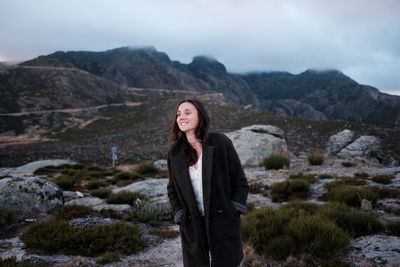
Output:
x,y
202,130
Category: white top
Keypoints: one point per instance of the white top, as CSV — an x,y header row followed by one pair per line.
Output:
x,y
196,177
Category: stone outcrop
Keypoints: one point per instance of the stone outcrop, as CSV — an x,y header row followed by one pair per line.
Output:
x,y
339,141
29,168
86,201
151,187
363,146
256,142
382,249
29,197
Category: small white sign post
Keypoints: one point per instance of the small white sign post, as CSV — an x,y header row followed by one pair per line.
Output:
x,y
114,155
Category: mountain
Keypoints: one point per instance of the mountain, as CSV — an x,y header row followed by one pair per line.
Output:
x,y
214,73
323,95
26,88
148,68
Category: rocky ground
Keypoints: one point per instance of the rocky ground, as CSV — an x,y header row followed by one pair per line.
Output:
x,y
374,250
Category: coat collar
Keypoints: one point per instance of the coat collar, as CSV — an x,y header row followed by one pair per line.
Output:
x,y
183,178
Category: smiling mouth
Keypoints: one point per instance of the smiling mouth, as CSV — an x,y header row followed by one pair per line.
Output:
x,y
184,123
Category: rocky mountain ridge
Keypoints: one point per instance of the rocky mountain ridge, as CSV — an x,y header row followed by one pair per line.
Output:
x,y
312,94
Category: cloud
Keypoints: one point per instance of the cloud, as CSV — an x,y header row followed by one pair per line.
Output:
x,y
359,37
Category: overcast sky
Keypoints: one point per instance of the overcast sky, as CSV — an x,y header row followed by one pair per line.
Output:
x,y
358,37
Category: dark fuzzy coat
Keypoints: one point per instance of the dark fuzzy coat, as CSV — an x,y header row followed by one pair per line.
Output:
x,y
225,190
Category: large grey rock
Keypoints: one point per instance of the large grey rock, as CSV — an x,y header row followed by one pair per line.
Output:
x,y
382,249
256,142
363,146
151,187
86,201
29,168
339,141
29,197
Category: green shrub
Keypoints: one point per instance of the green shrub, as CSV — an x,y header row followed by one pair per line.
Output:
x,y
146,169
276,162
109,257
164,233
12,262
325,176
94,184
45,170
69,212
383,178
289,190
393,228
354,222
101,192
361,174
315,158
70,172
348,164
344,181
126,197
310,178
317,235
152,212
351,195
256,188
127,176
385,192
59,237
293,229
7,218
250,206
66,182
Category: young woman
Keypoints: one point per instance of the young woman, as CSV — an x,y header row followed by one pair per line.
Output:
x,y
207,189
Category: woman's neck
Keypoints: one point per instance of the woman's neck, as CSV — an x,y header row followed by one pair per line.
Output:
x,y
194,142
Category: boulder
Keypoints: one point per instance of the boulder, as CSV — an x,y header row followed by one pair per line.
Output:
x,y
256,142
381,249
363,146
339,141
151,187
30,197
29,168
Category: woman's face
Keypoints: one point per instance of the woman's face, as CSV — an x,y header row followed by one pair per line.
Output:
x,y
187,117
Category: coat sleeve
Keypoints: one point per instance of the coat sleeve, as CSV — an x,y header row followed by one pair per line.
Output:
x,y
239,185
176,205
